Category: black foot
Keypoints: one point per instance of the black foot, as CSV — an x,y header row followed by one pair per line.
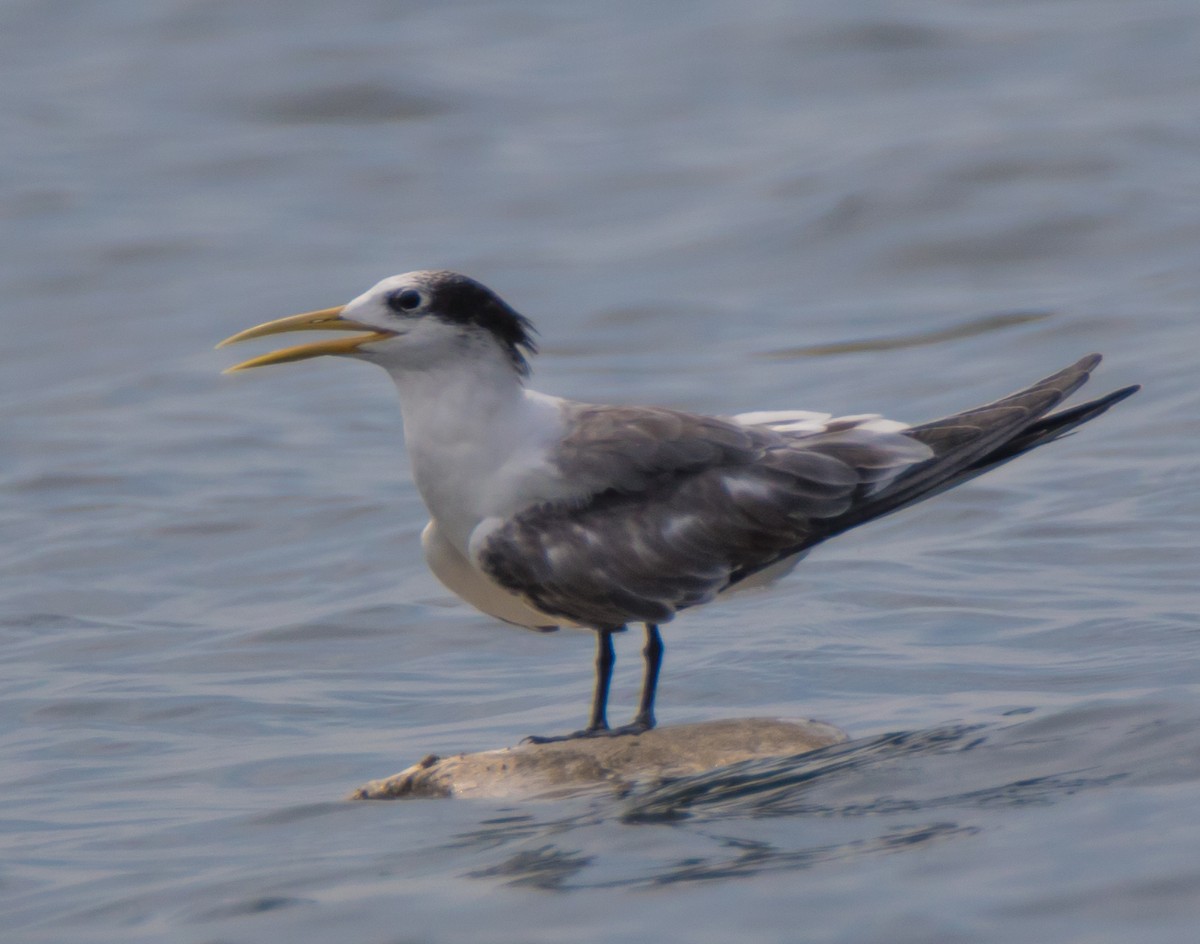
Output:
x,y
636,727
573,736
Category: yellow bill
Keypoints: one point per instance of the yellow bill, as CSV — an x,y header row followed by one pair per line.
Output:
x,y
327,319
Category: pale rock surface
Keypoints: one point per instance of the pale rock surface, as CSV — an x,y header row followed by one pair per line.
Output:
x,y
563,767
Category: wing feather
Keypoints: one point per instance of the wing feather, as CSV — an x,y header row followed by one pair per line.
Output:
x,y
676,505
672,508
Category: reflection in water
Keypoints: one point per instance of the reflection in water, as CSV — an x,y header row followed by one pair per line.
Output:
x,y
544,867
919,339
890,792
745,858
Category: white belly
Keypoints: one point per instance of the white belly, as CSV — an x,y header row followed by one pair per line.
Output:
x,y
458,575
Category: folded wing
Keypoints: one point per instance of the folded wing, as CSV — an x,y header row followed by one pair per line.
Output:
x,y
678,507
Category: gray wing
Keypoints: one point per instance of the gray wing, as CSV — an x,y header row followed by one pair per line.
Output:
x,y
679,506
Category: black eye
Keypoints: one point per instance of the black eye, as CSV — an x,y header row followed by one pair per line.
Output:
x,y
404,300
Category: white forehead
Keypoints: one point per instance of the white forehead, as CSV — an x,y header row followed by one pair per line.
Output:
x,y
418,278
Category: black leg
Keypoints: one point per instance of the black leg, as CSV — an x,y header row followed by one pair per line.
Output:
x,y
598,723
605,659
653,653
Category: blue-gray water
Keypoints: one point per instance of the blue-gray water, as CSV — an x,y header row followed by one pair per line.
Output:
x,y
214,618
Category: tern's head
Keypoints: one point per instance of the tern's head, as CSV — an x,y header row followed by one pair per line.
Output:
x,y
411,321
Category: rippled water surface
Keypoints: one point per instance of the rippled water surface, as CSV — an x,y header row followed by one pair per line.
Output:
x,y
214,617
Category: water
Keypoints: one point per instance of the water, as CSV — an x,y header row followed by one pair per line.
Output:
x,y
214,618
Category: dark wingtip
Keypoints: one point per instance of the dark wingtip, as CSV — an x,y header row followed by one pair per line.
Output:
x,y
1118,395
1060,424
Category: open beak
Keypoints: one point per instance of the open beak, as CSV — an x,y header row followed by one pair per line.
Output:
x,y
327,319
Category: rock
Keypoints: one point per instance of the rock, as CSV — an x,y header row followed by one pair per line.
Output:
x,y
564,767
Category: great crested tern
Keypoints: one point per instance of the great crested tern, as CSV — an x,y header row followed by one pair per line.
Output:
x,y
548,512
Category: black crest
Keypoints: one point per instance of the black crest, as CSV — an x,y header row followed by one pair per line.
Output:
x,y
461,300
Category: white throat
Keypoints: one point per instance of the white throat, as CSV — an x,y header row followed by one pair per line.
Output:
x,y
477,440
